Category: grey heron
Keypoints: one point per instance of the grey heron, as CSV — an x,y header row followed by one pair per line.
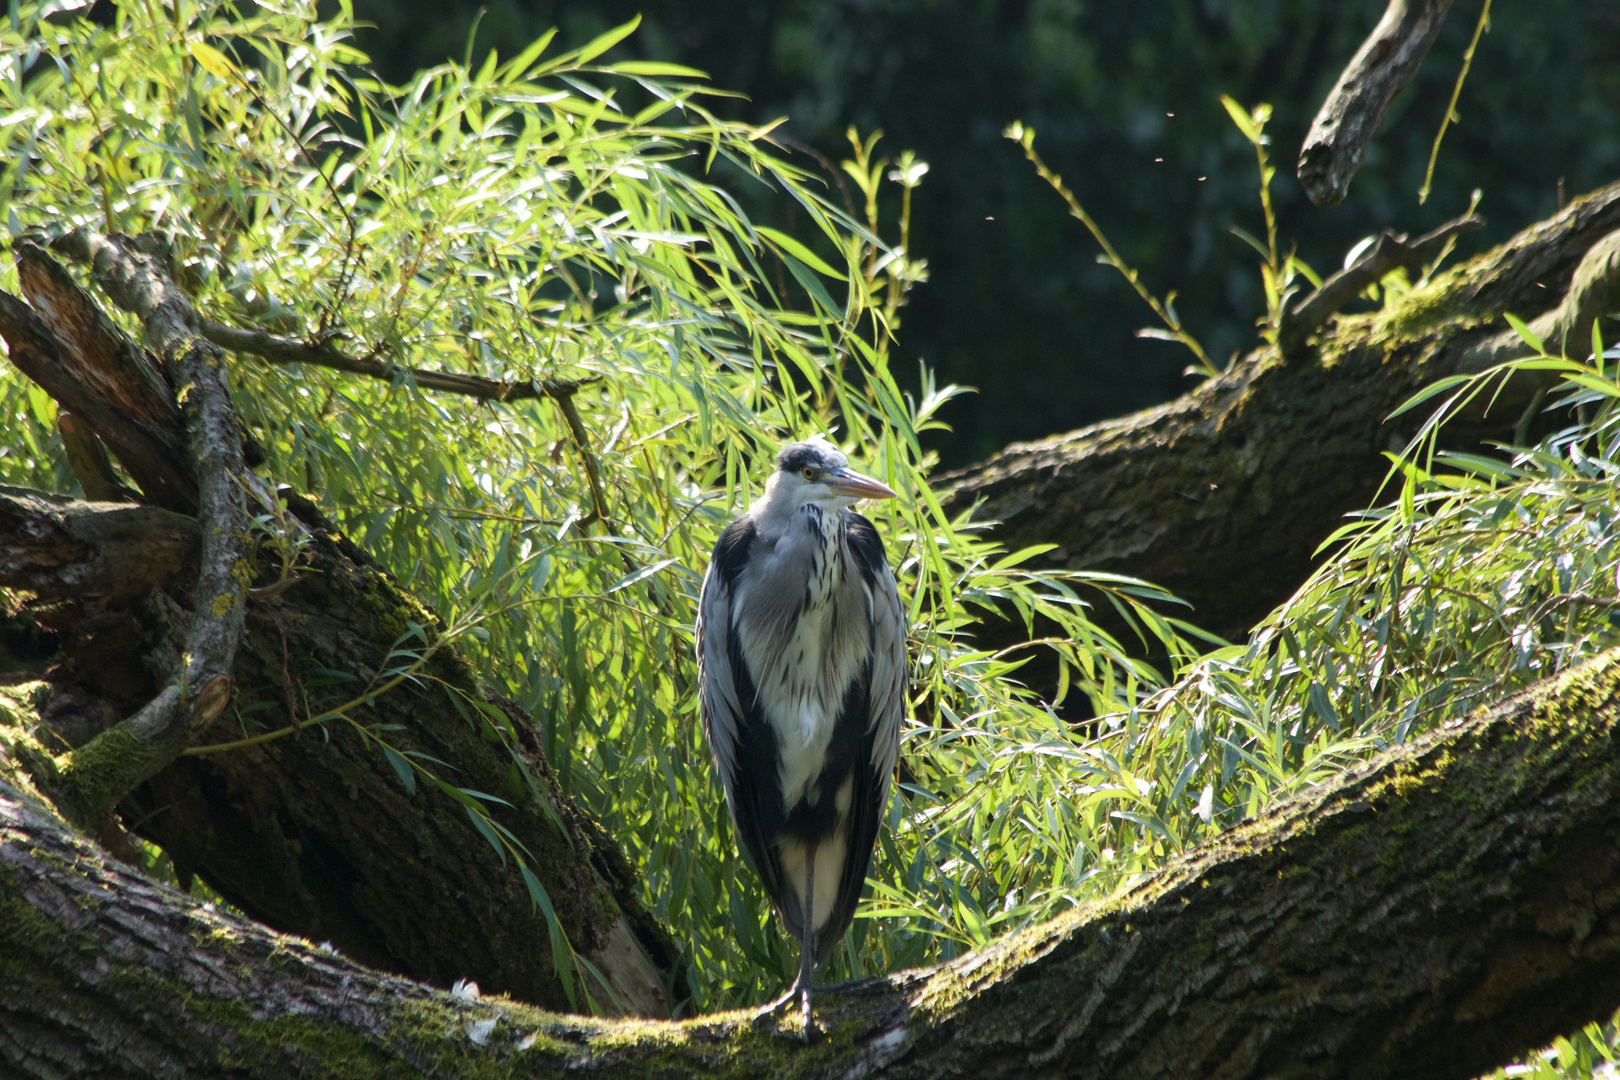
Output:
x,y
801,648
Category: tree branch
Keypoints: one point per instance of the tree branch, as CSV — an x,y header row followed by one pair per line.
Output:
x,y
127,274
1223,494
85,246
1446,907
280,350
1386,62
1388,252
90,780
283,350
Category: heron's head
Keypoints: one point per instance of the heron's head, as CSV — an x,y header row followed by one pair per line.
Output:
x,y
815,471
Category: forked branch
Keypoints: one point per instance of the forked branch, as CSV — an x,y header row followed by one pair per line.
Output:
x,y
1388,252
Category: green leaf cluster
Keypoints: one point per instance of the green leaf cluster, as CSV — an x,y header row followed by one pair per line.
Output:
x,y
1480,576
519,223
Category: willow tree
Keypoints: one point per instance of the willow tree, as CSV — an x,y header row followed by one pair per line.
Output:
x,y
503,350
369,444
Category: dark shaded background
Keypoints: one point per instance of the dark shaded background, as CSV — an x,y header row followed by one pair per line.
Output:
x,y
1017,305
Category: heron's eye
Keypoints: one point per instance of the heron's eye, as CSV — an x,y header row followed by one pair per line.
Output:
x,y
809,473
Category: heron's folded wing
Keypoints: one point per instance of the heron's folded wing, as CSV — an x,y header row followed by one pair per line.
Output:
x,y
887,691
718,682
742,742
884,699
888,675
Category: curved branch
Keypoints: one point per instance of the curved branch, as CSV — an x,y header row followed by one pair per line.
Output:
x,y
1446,907
283,350
129,276
87,782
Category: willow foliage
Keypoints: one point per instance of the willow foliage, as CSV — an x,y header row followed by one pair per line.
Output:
x,y
1480,575
555,222
574,226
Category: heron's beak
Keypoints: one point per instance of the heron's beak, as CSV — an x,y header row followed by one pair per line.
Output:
x,y
854,485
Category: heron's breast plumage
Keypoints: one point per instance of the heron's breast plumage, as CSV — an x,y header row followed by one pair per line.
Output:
x,y
803,619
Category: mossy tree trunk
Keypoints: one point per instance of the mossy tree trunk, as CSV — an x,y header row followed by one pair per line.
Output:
x,y
1446,907
1223,495
322,831
315,833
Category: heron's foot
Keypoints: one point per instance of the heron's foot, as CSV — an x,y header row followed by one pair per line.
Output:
x,y
777,1011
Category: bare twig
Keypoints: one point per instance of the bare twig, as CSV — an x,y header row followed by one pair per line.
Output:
x,y
1451,116
284,350
82,246
1391,250
1024,136
1384,65
281,350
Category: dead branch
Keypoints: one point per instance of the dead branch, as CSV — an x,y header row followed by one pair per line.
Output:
x,y
1387,253
1384,65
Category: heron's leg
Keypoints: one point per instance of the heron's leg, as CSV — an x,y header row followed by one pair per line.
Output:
x,y
800,990
807,944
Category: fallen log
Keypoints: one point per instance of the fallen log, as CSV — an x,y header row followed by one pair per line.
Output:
x,y
1449,905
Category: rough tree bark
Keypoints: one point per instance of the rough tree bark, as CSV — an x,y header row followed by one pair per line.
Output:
x,y
1447,906
315,833
1384,65
1223,494
1440,910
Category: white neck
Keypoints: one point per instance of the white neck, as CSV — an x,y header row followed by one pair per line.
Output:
x,y
773,511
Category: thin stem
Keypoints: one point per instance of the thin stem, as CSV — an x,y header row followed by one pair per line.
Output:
x,y
1026,139
1265,205
339,713
1480,27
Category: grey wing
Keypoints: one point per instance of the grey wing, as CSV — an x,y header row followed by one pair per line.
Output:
x,y
720,686
717,693
885,705
888,693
